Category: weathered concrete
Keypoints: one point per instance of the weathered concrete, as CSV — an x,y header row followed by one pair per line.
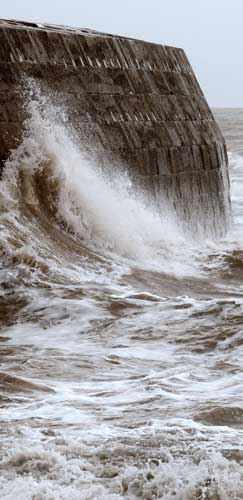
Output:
x,y
139,102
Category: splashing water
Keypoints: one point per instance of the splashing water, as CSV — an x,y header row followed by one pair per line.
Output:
x,y
101,209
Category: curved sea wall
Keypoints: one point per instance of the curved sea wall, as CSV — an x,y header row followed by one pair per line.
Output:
x,y
138,104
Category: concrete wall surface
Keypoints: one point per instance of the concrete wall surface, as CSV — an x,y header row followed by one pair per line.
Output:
x,y
139,103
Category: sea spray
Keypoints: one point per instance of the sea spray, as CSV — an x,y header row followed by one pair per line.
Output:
x,y
103,209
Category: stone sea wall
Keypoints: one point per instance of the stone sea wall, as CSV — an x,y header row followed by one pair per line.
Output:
x,y
139,103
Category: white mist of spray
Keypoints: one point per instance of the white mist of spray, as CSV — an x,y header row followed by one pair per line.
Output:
x,y
102,209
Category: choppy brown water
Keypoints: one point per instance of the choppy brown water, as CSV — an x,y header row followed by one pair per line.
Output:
x,y
121,337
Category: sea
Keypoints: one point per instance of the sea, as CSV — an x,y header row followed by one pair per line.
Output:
x,y
121,333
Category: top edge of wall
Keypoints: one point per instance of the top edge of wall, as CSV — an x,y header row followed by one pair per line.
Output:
x,y
12,23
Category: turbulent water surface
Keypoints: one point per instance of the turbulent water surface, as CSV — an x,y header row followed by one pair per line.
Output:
x,y
121,336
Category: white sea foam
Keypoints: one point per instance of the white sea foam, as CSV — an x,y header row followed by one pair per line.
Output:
x,y
57,471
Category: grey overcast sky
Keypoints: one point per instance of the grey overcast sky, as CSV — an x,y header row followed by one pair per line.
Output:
x,y
210,31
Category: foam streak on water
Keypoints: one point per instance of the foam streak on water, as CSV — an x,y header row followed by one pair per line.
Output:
x,y
121,336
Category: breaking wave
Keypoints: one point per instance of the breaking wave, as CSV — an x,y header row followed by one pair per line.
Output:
x,y
49,177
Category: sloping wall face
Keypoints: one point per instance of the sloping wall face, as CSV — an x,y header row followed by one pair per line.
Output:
x,y
139,104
